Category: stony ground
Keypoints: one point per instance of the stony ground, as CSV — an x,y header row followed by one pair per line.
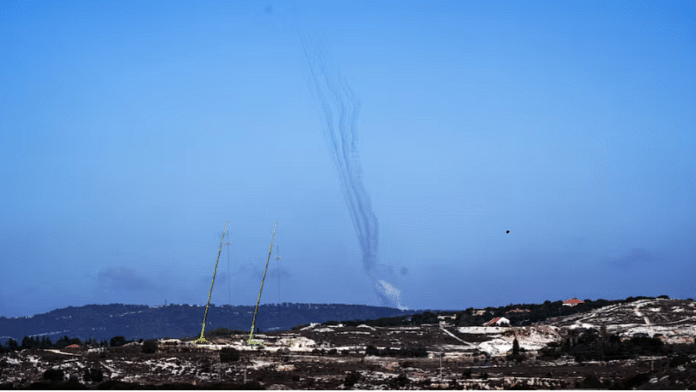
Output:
x,y
337,357
674,319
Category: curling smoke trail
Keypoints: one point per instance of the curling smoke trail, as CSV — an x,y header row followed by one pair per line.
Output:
x,y
339,111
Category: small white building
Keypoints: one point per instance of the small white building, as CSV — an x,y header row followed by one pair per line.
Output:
x,y
498,321
445,319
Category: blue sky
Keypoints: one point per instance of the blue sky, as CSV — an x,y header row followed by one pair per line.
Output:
x,y
130,132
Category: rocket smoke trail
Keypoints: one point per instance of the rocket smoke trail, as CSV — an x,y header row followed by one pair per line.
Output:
x,y
339,112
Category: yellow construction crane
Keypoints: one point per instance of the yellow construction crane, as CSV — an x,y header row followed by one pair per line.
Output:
x,y
202,340
256,310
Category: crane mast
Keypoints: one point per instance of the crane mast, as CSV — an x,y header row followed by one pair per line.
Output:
x,y
256,310
202,340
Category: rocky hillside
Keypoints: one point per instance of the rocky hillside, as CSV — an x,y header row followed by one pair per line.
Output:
x,y
673,320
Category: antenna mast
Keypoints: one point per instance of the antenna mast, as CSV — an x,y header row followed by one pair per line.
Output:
x,y
256,310
202,340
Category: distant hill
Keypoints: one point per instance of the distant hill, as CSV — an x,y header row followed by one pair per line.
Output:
x,y
141,321
516,314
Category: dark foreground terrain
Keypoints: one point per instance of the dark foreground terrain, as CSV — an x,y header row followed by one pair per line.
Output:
x,y
645,344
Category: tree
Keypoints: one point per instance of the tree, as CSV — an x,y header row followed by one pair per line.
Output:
x,y
12,345
118,341
150,346
62,342
515,348
27,342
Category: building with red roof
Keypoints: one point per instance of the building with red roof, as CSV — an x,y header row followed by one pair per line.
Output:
x,y
572,302
498,321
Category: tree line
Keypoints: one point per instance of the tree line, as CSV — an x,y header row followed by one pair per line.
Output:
x,y
45,342
592,345
534,313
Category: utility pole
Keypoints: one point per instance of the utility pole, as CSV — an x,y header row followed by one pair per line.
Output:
x,y
441,369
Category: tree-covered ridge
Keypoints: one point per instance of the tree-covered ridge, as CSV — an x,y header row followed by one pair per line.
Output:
x,y
176,320
475,317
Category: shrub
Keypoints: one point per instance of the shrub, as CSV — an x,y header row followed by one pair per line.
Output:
x,y
402,380
93,375
371,350
54,375
680,359
34,386
118,341
637,380
229,354
149,346
114,384
351,379
591,381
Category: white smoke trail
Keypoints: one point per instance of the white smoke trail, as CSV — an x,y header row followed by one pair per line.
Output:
x,y
339,111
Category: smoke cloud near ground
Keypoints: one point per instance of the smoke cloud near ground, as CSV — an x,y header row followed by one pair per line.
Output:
x,y
339,109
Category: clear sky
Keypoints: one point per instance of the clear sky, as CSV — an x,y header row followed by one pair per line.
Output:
x,y
131,131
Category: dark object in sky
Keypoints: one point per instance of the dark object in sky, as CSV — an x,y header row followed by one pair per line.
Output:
x,y
507,232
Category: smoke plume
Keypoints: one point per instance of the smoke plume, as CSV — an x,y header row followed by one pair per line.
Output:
x,y
339,109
